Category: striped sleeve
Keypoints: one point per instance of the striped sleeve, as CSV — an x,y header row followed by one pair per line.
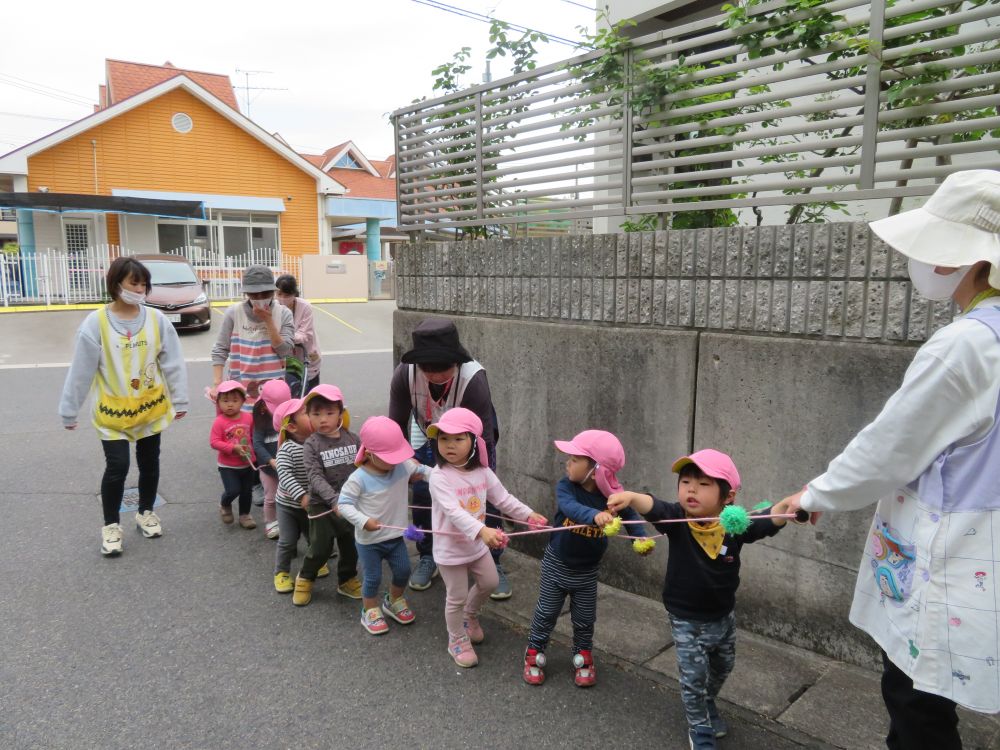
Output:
x,y
291,471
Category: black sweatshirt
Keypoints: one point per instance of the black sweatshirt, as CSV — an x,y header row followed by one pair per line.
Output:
x,y
696,587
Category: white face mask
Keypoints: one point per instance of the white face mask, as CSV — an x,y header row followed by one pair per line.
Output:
x,y
261,304
131,298
933,285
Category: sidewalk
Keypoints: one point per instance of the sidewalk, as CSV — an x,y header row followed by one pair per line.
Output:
x,y
800,695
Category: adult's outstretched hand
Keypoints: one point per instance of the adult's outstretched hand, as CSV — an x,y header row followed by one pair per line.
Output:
x,y
793,504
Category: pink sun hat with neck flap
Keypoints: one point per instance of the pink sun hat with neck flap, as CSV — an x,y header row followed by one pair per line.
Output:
x,y
274,393
713,463
459,420
607,453
382,437
331,393
283,413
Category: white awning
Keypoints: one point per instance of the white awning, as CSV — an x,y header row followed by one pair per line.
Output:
x,y
231,202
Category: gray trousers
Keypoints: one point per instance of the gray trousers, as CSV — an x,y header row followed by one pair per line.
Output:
x,y
292,524
706,653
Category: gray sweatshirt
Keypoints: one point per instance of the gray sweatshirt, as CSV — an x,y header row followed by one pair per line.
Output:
x,y
87,358
220,352
329,462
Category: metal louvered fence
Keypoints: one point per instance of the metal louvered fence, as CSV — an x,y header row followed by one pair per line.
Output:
x,y
709,118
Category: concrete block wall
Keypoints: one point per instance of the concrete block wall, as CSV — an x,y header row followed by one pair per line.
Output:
x,y
782,407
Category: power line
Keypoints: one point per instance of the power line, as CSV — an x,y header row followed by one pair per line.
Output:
x,y
45,86
579,5
35,90
38,117
462,12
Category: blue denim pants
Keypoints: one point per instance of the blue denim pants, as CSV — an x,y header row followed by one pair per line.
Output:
x,y
706,653
371,557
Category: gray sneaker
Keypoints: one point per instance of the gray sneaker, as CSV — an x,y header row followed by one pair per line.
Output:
x,y
258,494
503,588
423,573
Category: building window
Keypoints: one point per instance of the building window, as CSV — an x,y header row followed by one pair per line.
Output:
x,y
347,162
182,123
8,214
229,234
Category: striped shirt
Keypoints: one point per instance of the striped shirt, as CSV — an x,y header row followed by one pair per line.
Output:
x,y
293,481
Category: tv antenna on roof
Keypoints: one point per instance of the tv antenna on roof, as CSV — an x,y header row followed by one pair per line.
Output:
x,y
247,88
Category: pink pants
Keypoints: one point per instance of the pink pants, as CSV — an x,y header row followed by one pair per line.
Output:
x,y
270,488
461,601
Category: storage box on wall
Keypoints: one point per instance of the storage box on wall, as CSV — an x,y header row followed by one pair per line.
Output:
x,y
340,277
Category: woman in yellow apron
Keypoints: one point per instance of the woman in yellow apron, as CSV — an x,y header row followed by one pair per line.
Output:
x,y
130,356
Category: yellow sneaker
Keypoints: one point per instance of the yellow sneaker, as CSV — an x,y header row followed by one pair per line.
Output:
x,y
283,583
323,572
303,593
351,589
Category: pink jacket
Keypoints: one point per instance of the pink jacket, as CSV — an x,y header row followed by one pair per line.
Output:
x,y
228,432
305,335
458,504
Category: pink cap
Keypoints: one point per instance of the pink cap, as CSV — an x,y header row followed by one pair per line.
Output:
x,y
275,393
327,391
459,420
382,437
284,412
607,453
713,463
231,385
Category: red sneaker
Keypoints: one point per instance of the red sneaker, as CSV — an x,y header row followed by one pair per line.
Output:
x,y
586,675
534,662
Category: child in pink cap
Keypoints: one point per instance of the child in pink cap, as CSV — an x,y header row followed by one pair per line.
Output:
x,y
461,484
328,454
572,558
292,498
231,436
372,499
265,447
703,573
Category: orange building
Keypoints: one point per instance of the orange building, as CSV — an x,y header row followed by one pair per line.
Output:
x,y
168,134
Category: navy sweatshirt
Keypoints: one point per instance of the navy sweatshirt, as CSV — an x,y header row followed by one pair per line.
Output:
x,y
584,548
697,587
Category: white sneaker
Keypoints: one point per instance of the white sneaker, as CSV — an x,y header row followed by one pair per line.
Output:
x,y
149,524
271,530
111,539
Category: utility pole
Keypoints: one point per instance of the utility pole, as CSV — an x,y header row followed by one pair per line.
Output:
x,y
247,88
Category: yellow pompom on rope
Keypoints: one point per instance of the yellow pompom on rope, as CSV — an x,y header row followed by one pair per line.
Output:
x,y
643,546
610,529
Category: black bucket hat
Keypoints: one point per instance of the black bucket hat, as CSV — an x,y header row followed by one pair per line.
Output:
x,y
435,340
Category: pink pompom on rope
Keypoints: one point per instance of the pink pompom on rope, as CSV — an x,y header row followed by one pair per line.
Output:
x,y
502,540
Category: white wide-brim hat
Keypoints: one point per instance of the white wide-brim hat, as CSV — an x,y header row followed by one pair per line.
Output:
x,y
958,226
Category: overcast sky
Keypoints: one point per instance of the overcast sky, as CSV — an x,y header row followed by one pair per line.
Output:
x,y
345,64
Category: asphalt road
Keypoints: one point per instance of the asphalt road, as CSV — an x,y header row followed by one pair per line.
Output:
x,y
183,643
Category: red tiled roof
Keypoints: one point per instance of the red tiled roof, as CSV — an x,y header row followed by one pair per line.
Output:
x,y
363,184
315,159
390,165
127,79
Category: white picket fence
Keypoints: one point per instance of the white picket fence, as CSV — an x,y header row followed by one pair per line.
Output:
x,y
53,277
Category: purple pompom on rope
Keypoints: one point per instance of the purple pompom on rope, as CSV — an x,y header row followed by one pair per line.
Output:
x,y
414,534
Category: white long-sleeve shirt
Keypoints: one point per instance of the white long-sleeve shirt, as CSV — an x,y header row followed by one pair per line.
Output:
x,y
383,497
948,395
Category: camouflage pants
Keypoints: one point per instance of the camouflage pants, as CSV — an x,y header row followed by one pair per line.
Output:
x,y
706,652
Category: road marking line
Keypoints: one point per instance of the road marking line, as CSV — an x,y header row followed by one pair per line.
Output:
x,y
195,360
335,317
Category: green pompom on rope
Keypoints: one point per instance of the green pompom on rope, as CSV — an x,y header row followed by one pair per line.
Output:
x,y
735,520
643,546
610,529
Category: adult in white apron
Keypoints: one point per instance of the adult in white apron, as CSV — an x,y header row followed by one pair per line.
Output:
x,y
129,355
927,589
438,374
254,338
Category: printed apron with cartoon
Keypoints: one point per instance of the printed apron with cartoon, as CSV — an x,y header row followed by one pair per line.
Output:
x,y
927,589
252,359
131,401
